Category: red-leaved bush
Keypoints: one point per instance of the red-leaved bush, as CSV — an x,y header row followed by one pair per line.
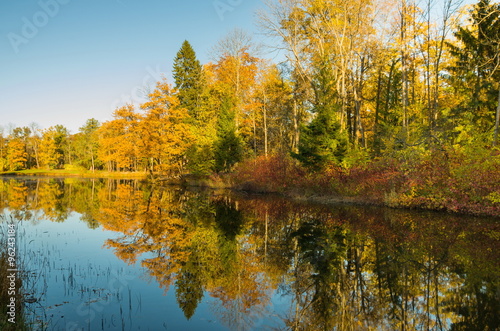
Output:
x,y
275,173
451,179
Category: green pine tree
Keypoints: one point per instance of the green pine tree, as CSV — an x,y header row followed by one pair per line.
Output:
x,y
193,95
188,78
321,141
189,287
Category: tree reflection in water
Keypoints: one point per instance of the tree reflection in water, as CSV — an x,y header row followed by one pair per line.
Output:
x,y
339,267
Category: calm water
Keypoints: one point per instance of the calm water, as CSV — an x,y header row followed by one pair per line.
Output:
x,y
123,255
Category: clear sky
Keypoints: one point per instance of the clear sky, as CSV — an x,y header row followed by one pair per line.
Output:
x,y
65,61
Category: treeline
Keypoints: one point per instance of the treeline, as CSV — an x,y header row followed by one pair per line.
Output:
x,y
358,83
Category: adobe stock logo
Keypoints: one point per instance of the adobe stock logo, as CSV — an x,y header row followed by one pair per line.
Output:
x,y
223,6
139,93
31,27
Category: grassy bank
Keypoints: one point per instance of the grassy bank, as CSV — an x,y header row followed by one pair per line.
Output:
x,y
74,173
457,180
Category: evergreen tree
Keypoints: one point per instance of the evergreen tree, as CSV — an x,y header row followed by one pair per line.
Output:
x,y
193,95
321,142
229,145
189,287
187,74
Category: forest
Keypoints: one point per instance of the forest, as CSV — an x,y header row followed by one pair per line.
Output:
x,y
384,101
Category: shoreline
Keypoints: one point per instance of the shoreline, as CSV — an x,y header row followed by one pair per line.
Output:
x,y
332,200
224,182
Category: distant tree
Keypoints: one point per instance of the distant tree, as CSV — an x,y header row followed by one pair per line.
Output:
x,y
272,112
63,145
17,154
50,154
86,144
54,147
3,150
33,145
236,70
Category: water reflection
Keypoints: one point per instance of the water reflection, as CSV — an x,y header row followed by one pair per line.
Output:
x,y
321,268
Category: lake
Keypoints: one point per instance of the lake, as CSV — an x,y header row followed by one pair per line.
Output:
x,y
101,254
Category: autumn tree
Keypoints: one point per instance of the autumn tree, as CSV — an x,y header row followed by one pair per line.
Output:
x,y
119,140
164,132
234,79
274,117
17,155
49,154
3,150
236,70
329,45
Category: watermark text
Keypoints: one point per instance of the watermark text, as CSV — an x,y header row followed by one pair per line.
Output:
x,y
11,272
223,6
31,26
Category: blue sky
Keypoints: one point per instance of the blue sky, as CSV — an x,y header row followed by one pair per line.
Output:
x,y
65,61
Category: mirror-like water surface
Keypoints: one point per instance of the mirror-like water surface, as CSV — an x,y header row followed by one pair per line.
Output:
x,y
124,255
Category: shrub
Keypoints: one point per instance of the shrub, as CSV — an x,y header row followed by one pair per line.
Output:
x,y
275,173
452,179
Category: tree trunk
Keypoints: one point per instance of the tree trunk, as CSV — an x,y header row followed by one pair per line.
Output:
x,y
497,120
93,165
265,126
36,156
404,65
254,135
376,138
296,132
